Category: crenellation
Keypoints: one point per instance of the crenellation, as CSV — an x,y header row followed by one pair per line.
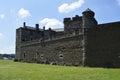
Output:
x,y
66,20
77,18
72,26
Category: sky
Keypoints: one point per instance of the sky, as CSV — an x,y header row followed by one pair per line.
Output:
x,y
48,13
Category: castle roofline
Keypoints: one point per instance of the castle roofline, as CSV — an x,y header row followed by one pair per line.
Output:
x,y
29,28
88,9
109,23
33,28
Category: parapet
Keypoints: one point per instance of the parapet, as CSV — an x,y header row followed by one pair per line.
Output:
x,y
77,18
66,20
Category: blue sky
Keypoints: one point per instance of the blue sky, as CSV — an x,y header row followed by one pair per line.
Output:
x,y
49,13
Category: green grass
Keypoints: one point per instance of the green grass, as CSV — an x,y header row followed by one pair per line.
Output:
x,y
10,70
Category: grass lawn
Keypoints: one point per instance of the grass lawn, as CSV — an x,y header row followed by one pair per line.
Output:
x,y
10,70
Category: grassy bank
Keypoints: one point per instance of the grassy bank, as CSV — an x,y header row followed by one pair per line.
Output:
x,y
10,70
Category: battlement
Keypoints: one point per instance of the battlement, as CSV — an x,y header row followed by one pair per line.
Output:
x,y
77,18
66,20
69,20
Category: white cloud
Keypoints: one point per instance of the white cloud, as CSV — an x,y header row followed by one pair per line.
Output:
x,y
2,16
51,23
118,2
8,50
1,36
66,8
24,13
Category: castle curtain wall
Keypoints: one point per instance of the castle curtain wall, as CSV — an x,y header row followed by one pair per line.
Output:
x,y
65,51
103,45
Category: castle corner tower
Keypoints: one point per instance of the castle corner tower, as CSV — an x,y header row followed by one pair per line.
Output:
x,y
88,23
88,19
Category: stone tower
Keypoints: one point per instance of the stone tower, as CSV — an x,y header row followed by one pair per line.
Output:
x,y
88,19
88,23
66,22
73,26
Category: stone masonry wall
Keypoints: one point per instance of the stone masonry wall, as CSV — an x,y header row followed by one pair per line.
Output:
x,y
65,51
103,45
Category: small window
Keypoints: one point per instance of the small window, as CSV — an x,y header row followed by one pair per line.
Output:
x,y
41,56
61,56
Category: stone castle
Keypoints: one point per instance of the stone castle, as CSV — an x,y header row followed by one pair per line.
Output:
x,y
83,42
